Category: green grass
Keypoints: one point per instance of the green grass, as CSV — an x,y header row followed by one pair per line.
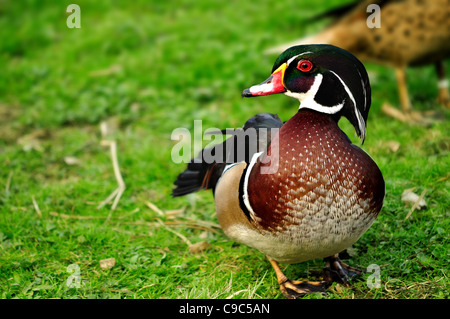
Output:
x,y
147,68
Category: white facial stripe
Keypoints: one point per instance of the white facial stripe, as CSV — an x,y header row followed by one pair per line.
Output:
x,y
346,89
364,89
359,117
294,57
307,99
245,188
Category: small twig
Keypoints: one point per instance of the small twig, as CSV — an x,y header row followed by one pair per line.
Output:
x,y
117,193
36,207
117,173
109,198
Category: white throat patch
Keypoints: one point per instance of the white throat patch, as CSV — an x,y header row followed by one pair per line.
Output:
x,y
307,99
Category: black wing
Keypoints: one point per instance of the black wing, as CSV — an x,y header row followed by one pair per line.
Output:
x,y
204,171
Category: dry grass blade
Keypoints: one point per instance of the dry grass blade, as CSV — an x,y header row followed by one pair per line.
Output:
x,y
36,206
113,69
416,204
189,223
8,182
80,217
145,287
175,212
180,223
154,208
75,216
192,224
187,241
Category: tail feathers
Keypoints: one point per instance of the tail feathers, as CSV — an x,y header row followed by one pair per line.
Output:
x,y
197,176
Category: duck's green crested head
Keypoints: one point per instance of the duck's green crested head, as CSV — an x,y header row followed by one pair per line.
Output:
x,y
324,78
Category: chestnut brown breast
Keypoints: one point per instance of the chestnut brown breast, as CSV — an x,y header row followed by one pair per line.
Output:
x,y
321,176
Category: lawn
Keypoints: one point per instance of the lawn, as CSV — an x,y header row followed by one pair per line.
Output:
x,y
133,73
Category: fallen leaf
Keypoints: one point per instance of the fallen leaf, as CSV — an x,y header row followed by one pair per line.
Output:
x,y
70,160
198,247
107,263
393,146
412,199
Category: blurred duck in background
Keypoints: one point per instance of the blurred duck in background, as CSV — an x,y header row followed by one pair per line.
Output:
x,y
410,33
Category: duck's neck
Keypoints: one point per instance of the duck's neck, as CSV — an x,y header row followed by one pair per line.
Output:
x,y
308,122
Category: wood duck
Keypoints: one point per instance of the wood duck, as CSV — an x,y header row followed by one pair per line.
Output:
x,y
411,33
305,191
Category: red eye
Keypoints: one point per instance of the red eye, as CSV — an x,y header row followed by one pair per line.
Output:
x,y
305,66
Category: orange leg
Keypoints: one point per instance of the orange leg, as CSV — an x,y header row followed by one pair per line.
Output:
x,y
408,113
400,73
443,95
292,289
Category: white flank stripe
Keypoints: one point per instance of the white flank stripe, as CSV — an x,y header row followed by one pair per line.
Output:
x,y
228,167
246,177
